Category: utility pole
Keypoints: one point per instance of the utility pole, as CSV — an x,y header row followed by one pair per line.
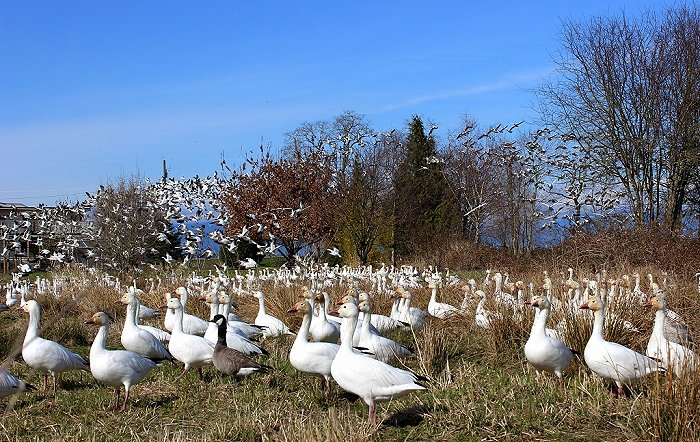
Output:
x,y
165,171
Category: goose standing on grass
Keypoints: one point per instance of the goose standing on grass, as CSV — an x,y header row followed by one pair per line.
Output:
x,y
191,324
116,367
45,355
275,327
321,329
192,350
234,340
314,358
611,360
235,323
10,385
439,310
372,380
379,347
228,360
382,324
136,339
672,355
542,351
411,315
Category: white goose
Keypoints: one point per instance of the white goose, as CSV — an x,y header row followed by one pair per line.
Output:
x,y
314,358
191,324
136,339
381,348
116,367
673,355
235,323
440,310
45,355
382,324
233,340
192,350
321,329
542,351
161,335
411,315
372,380
275,327
10,385
611,360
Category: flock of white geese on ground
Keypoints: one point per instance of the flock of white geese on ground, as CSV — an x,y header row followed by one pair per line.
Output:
x,y
351,348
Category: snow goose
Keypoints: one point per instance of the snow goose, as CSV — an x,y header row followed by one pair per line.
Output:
x,y
275,327
45,355
381,348
546,353
611,360
675,329
228,360
10,385
374,381
439,310
192,350
235,323
116,367
234,340
136,339
673,355
144,312
161,335
321,329
314,358
381,323
411,315
191,324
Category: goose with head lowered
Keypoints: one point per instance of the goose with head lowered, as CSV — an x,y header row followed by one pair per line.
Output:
x,y
228,360
192,350
546,353
116,368
10,385
46,355
372,380
610,360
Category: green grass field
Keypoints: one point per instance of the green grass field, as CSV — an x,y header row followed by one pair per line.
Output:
x,y
481,388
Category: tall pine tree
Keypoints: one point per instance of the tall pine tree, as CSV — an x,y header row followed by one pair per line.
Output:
x,y
425,211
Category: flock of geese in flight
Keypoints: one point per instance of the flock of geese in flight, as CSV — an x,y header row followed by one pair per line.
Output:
x,y
345,341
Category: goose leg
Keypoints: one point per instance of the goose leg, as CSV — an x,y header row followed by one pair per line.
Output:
x,y
126,398
117,392
201,374
182,374
372,414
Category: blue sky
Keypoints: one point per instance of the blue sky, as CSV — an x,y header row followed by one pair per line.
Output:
x,y
94,91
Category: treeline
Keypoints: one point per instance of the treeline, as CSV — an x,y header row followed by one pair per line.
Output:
x,y
618,144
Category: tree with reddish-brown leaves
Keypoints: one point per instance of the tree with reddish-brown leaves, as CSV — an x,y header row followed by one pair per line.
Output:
x,y
286,203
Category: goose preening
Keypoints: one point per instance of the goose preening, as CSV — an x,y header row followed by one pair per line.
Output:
x,y
374,381
192,350
228,360
137,339
546,353
116,368
10,385
439,310
45,355
314,358
673,355
611,360
275,327
379,347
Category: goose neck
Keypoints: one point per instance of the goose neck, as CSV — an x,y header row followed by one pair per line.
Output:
x,y
302,335
540,323
177,325
130,319
33,328
659,322
598,324
347,331
100,342
261,305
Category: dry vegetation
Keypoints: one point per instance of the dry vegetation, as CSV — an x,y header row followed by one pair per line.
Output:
x,y
481,386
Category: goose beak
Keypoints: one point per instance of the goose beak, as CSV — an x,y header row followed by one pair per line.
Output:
x,y
293,310
535,304
89,321
335,311
528,303
584,305
647,304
